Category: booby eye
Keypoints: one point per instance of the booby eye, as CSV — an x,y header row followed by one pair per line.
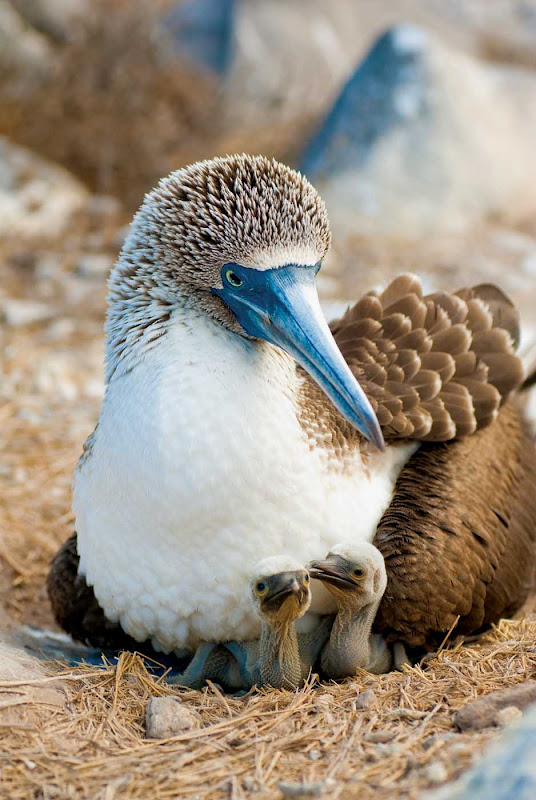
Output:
x,y
306,578
260,587
359,573
233,279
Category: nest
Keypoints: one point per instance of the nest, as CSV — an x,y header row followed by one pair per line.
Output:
x,y
368,737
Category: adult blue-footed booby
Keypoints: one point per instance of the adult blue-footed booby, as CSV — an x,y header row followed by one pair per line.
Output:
x,y
236,426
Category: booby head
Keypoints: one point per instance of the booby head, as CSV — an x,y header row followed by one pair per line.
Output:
x,y
353,573
280,589
240,238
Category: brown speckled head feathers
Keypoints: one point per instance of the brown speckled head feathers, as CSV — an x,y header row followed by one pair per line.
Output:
x,y
434,367
232,209
245,209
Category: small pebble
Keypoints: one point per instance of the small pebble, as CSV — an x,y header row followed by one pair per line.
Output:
x,y
364,699
391,749
304,789
167,717
378,737
408,713
437,772
314,755
484,711
507,715
60,328
529,265
459,750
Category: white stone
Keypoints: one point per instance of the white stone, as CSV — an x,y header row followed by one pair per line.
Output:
x,y
507,715
167,717
442,159
436,772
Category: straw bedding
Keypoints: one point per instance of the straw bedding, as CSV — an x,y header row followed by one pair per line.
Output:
x,y
95,747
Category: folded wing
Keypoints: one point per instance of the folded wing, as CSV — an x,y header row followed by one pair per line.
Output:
x,y
434,367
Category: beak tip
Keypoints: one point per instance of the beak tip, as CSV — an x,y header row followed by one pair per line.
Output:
x,y
372,430
378,440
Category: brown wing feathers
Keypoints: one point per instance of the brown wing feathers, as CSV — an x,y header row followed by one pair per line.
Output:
x,y
434,367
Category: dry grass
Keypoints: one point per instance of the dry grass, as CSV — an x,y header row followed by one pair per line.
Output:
x,y
95,748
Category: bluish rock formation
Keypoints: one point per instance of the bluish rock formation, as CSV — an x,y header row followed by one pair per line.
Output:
x,y
424,140
202,30
389,87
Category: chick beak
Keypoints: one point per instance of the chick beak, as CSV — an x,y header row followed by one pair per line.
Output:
x,y
283,588
331,571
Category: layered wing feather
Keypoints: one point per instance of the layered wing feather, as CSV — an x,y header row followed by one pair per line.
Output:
x,y
434,367
459,535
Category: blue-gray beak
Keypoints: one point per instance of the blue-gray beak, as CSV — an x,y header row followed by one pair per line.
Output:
x,y
281,306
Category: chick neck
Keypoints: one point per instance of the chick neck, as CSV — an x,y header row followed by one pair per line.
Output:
x,y
349,648
279,655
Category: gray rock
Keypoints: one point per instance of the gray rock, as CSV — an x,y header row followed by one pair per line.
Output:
x,y
24,53
305,789
38,199
269,82
365,699
508,771
167,717
51,17
404,152
482,713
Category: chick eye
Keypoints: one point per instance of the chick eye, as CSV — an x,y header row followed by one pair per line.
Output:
x,y
234,279
359,573
306,578
260,587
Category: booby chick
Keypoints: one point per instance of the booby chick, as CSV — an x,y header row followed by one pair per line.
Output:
x,y
355,575
280,658
236,425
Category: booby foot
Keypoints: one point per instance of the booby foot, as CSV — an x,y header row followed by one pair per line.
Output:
x,y
400,656
380,658
210,662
